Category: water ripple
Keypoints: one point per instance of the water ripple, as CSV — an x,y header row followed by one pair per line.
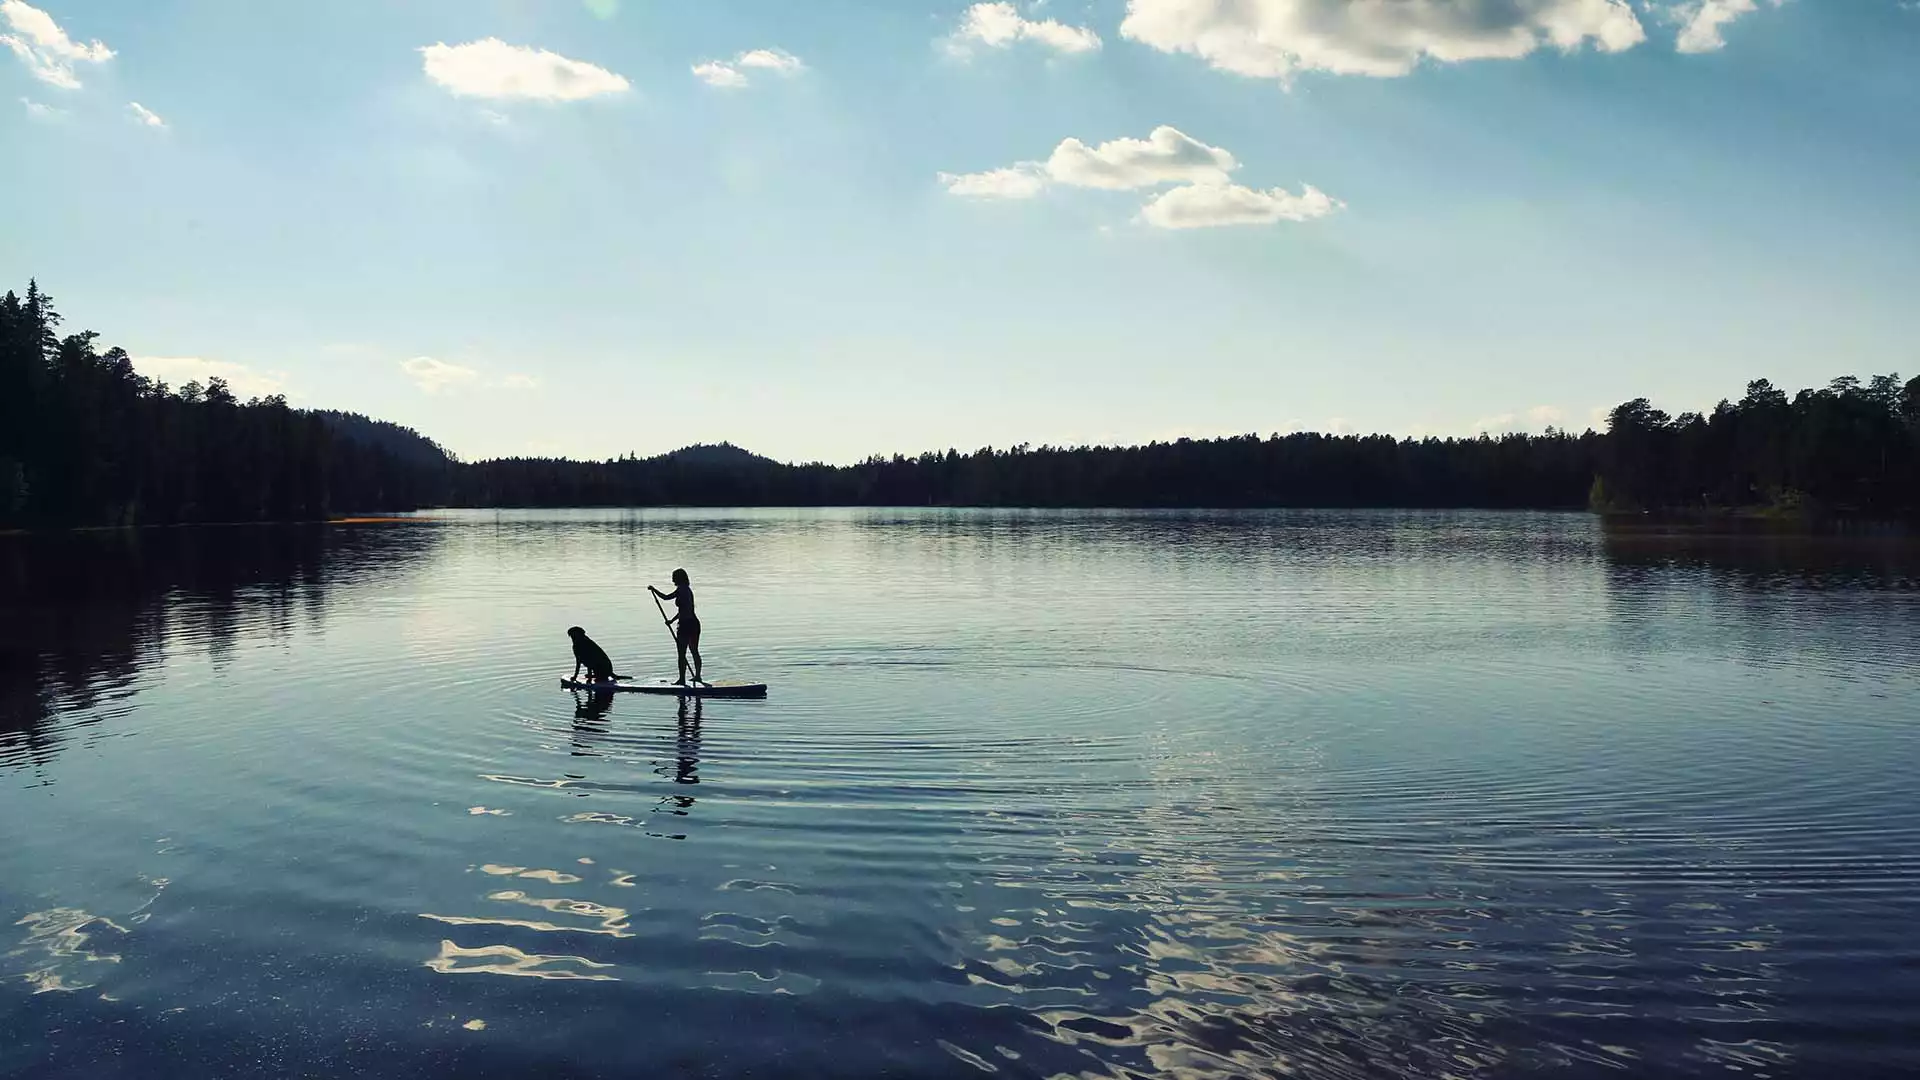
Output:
x,y
1187,795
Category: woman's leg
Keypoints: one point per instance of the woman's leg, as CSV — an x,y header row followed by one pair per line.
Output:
x,y
693,646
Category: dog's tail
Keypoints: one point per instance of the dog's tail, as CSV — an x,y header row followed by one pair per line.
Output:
x,y
617,678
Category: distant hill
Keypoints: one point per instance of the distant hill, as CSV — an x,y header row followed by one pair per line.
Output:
x,y
705,474
405,444
715,455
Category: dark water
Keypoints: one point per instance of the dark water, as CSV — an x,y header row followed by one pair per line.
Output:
x,y
1292,794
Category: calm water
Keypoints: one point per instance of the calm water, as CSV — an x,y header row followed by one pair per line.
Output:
x,y
1293,794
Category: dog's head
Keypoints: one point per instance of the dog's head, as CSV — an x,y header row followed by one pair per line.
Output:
x,y
576,633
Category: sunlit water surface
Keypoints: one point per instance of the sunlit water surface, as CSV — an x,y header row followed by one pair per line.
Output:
x,y
1033,794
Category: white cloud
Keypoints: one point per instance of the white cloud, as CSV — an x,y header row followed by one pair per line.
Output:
x,y
244,381
491,68
497,119
1278,38
727,74
145,115
1022,181
719,73
1000,25
45,48
1199,206
1537,418
41,111
771,59
1704,19
1165,156
433,376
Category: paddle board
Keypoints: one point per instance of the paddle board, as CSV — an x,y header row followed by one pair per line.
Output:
x,y
719,689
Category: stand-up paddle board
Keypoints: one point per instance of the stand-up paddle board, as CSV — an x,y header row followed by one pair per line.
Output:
x,y
719,689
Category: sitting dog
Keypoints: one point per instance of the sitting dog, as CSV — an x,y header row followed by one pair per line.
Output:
x,y
590,656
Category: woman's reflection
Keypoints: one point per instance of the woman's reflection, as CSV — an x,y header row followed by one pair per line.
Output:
x,y
686,765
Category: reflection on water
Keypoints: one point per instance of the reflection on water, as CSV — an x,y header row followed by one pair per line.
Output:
x,y
59,948
86,611
589,720
686,760
507,960
1035,794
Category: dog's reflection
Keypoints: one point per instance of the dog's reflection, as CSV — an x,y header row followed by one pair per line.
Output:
x,y
589,720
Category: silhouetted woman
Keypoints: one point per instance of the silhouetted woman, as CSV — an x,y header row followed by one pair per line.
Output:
x,y
686,624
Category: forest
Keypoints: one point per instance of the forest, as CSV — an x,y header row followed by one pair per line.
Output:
x,y
87,440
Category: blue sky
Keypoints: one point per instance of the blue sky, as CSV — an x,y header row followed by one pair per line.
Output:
x,y
827,228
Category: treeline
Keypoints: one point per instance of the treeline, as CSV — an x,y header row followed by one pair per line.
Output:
x,y
1852,448
1513,471
84,439
87,440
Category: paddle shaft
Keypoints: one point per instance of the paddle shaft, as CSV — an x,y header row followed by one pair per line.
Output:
x,y
663,618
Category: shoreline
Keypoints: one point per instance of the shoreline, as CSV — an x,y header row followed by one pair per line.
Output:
x,y
1744,522
1755,522
357,519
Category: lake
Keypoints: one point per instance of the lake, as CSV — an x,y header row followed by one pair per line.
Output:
x,y
1033,794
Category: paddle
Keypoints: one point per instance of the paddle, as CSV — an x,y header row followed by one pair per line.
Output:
x,y
663,618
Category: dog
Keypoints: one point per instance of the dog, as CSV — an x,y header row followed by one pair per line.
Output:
x,y
590,656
